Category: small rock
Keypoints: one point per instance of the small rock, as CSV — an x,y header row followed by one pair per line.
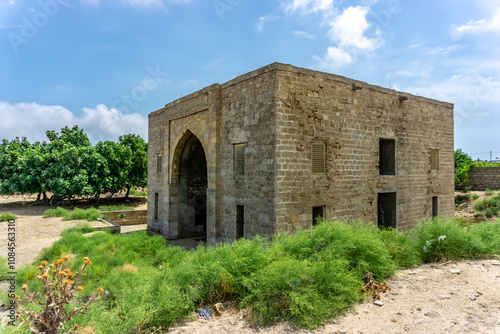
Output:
x,y
473,298
342,331
495,262
455,271
432,314
378,303
444,297
418,321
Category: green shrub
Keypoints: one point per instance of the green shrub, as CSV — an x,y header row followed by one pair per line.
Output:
x,y
441,240
303,292
489,206
358,243
6,216
57,212
488,192
459,199
120,207
402,247
76,214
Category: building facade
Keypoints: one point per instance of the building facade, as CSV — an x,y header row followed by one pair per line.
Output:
x,y
272,149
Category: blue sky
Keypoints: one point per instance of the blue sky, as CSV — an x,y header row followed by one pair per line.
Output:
x,y
105,65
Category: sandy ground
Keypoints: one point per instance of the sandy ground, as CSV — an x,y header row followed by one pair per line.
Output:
x,y
442,298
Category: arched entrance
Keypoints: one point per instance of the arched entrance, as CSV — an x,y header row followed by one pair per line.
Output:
x,y
192,190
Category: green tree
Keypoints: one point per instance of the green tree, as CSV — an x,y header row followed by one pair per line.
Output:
x,y
463,164
138,172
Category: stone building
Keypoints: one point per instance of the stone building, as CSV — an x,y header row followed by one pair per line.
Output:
x,y
274,148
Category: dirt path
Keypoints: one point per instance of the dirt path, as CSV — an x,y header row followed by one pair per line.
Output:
x,y
452,298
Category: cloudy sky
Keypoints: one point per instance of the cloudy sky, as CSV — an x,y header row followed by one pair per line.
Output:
x,y
105,65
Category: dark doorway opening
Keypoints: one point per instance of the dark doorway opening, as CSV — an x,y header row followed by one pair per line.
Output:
x,y
387,210
240,221
435,206
192,190
318,212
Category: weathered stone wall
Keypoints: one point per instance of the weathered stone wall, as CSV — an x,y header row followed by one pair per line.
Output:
x,y
315,106
482,178
248,117
276,112
127,217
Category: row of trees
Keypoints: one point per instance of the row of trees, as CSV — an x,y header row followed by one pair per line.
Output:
x,y
69,166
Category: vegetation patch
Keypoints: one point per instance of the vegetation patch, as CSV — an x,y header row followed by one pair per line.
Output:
x,y
306,278
6,216
121,207
488,207
136,192
77,214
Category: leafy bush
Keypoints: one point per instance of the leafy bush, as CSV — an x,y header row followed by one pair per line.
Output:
x,y
6,216
463,164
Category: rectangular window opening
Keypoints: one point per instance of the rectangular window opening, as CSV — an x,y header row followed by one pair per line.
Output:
x,y
434,159
435,206
387,157
159,163
318,150
240,221
387,210
239,160
156,206
317,213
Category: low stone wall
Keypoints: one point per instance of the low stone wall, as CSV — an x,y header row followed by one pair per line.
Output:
x,y
482,178
128,217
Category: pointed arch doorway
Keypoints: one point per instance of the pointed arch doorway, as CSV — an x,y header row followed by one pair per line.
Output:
x,y
192,188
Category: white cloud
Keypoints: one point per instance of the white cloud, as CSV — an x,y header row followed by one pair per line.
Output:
x,y
334,58
304,34
479,26
100,123
349,29
264,20
309,6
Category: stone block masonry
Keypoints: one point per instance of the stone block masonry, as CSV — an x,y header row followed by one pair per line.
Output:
x,y
281,145
482,178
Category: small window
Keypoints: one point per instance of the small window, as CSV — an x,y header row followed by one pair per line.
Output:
x,y
240,221
239,160
435,206
387,157
159,163
318,150
434,159
387,209
156,206
318,212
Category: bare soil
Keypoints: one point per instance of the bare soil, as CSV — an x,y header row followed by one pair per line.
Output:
x,y
453,297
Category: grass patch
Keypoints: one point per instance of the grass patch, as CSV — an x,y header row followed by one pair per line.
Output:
x,y
306,278
77,214
488,207
120,207
136,192
4,268
6,216
488,192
